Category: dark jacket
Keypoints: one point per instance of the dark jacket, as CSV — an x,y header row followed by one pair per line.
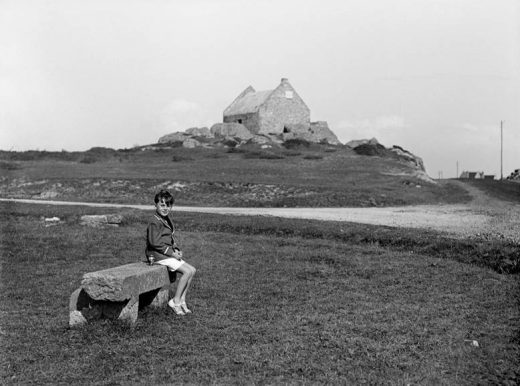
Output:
x,y
160,241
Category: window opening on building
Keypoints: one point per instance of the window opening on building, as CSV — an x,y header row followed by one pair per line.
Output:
x,y
289,94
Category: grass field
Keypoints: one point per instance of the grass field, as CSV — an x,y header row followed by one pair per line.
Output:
x,y
275,301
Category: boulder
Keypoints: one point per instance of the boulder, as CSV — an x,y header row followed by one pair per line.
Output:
x,y
231,129
322,133
199,132
190,143
314,132
174,137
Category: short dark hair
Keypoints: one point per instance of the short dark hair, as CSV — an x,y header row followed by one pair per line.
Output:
x,y
166,196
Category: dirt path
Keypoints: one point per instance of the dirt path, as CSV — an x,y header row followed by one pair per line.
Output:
x,y
482,216
502,217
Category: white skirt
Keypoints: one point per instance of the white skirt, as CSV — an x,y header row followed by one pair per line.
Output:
x,y
172,263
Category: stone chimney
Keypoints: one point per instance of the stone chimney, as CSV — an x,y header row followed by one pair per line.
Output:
x,y
284,80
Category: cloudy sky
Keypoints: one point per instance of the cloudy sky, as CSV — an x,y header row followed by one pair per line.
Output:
x,y
433,76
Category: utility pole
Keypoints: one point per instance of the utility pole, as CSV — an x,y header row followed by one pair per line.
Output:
x,y
457,175
501,150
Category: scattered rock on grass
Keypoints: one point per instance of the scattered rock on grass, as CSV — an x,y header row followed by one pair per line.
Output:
x,y
50,221
97,220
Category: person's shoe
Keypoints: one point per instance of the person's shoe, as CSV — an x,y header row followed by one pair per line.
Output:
x,y
176,308
185,308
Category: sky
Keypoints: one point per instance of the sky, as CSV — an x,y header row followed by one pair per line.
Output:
x,y
436,77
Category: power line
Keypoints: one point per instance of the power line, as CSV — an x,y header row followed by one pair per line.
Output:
x,y
501,150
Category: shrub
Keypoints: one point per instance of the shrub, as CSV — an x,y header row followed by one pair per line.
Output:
x,y
291,153
89,159
296,143
237,150
231,143
5,165
102,151
262,155
180,158
371,150
218,154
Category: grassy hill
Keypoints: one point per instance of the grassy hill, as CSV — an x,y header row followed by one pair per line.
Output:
x,y
307,175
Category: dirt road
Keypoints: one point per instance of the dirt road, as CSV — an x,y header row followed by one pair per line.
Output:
x,y
482,216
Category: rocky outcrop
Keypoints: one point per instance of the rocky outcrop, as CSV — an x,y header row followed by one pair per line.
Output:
x,y
405,155
372,147
232,129
236,134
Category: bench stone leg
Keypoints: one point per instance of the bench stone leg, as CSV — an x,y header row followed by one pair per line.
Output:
x,y
130,310
82,308
156,298
76,318
161,298
125,311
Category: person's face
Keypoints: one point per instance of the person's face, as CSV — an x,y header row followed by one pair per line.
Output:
x,y
162,208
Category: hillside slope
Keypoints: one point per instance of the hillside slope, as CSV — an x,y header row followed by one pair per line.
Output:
x,y
305,176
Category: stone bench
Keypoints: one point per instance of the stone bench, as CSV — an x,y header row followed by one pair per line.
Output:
x,y
119,293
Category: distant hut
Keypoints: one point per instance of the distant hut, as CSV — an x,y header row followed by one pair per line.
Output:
x,y
270,111
472,175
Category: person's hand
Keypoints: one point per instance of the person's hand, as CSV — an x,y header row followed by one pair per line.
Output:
x,y
177,253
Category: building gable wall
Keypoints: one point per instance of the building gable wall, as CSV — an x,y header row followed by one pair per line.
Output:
x,y
283,107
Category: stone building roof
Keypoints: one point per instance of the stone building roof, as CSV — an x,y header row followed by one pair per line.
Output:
x,y
248,103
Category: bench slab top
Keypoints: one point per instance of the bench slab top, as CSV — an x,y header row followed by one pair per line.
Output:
x,y
125,281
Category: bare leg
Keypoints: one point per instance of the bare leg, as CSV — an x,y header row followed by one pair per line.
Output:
x,y
190,278
187,272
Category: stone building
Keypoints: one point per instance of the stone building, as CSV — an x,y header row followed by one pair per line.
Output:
x,y
270,111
